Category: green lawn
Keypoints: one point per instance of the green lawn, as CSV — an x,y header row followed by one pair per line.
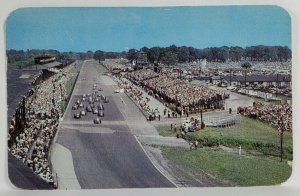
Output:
x,y
165,131
253,135
69,86
101,68
22,64
69,89
249,129
225,166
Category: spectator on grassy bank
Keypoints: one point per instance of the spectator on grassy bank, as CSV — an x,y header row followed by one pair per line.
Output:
x,y
279,116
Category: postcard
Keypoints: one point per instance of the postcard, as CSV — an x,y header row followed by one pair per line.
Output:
x,y
149,97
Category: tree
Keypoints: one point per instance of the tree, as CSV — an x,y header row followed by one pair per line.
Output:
x,y
183,54
236,53
153,54
169,59
99,55
89,54
246,66
144,49
132,55
223,54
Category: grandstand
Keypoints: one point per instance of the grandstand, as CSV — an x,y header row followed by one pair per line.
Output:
x,y
44,59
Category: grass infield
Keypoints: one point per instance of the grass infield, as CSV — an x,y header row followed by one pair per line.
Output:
x,y
229,167
252,135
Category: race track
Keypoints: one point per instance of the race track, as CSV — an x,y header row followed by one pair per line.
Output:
x,y
106,155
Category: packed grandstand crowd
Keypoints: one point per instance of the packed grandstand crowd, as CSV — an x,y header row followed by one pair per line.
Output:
x,y
116,64
280,116
178,95
43,109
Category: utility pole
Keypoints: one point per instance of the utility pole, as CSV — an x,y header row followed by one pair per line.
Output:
x,y
24,112
281,149
230,76
61,93
201,117
245,78
277,85
202,124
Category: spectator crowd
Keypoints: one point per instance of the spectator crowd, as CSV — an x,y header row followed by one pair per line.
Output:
x,y
178,95
280,116
31,141
114,64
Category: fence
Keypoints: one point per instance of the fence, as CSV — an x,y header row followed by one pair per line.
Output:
x,y
222,121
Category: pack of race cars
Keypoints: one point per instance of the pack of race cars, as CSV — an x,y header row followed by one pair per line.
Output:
x,y
91,103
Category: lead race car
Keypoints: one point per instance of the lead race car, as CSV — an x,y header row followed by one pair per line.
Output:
x,y
97,120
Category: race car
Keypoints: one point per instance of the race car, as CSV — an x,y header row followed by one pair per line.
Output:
x,y
77,115
95,111
82,113
88,108
100,107
81,105
100,113
97,121
106,100
75,107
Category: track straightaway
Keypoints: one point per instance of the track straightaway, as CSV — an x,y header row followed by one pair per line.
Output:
x,y
106,155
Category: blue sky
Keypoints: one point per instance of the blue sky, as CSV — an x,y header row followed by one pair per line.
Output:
x,y
117,29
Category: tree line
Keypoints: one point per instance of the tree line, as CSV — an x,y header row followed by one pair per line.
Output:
x,y
167,55
214,54
26,57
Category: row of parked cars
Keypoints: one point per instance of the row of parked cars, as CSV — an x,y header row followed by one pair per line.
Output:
x,y
91,103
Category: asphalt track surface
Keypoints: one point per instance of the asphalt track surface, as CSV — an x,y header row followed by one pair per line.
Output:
x,y
106,155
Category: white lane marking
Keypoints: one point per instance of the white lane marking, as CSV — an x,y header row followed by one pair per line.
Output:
x,y
122,100
153,163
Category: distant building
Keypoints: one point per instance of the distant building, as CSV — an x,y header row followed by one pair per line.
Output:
x,y
276,80
216,80
204,79
141,60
